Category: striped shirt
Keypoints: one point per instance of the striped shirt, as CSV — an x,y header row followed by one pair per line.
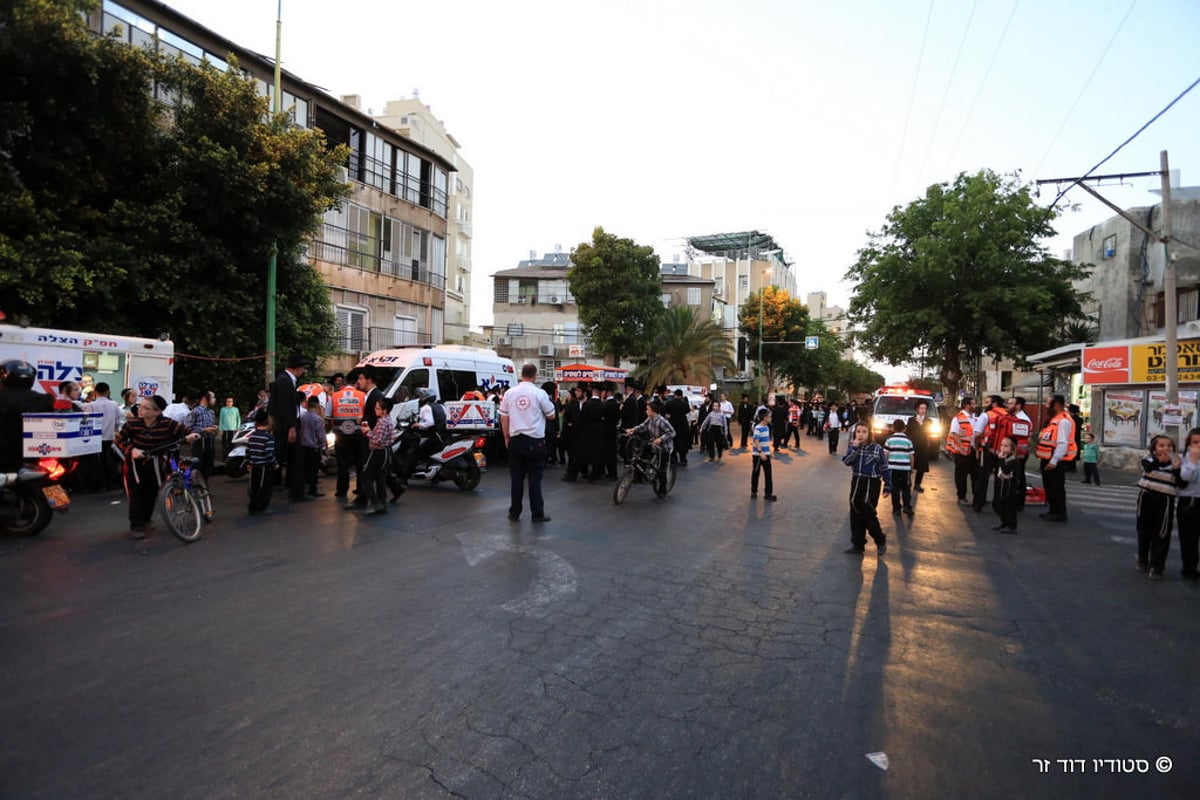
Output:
x,y
868,461
762,440
1159,477
135,434
658,427
260,447
899,452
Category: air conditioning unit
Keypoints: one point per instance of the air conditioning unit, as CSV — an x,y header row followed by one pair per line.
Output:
x,y
545,349
555,299
504,341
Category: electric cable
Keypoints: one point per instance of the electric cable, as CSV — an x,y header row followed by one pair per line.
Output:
x,y
1120,147
911,97
1086,84
982,83
949,82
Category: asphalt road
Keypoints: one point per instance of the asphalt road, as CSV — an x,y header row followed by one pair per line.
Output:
x,y
705,645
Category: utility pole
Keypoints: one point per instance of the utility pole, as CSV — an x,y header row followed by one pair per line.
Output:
x,y
1170,305
277,107
1170,301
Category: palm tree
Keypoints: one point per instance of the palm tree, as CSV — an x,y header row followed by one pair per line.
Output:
x,y
687,348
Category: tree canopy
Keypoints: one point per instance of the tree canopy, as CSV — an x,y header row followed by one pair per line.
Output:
x,y
618,290
686,348
140,194
961,272
784,319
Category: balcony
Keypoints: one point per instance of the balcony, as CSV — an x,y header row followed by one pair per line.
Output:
x,y
336,245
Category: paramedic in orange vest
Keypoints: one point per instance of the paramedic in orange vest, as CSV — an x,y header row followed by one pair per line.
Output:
x,y
988,430
960,445
346,413
1019,428
1056,446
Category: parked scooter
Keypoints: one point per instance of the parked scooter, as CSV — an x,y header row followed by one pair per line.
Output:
x,y
30,496
455,461
236,464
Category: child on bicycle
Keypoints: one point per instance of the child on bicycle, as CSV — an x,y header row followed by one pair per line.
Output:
x,y
661,439
260,454
149,430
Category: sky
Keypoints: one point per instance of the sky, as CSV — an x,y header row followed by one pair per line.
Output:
x,y
661,119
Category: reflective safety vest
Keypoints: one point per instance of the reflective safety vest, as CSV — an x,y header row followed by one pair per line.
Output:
x,y
348,407
1018,430
962,433
1048,440
993,432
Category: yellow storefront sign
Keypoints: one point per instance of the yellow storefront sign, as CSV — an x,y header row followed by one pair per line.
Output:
x,y
1147,362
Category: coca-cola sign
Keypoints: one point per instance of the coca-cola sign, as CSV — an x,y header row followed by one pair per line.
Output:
x,y
1106,365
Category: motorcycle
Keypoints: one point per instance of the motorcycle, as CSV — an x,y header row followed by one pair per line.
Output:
x,y
456,460
235,460
30,496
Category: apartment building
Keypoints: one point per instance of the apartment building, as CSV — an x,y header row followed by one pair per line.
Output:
x,y
383,253
414,119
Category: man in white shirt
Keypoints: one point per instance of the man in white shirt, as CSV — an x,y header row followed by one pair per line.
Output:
x,y
111,417
523,414
179,410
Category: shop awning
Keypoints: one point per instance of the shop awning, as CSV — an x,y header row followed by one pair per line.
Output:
x,y
589,373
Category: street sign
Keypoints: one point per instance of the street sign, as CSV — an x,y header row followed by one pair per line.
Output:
x,y
812,342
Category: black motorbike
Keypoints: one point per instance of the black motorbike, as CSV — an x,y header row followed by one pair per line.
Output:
x,y
30,496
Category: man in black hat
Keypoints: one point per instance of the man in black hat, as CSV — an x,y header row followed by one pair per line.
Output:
x,y
284,409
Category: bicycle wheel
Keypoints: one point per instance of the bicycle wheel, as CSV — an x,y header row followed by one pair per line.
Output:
x,y
622,488
203,496
180,511
670,478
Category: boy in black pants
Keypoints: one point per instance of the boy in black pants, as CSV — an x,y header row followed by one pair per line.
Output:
x,y
260,452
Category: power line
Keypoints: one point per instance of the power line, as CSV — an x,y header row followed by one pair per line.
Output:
x,y
949,83
1121,146
912,96
982,83
1086,84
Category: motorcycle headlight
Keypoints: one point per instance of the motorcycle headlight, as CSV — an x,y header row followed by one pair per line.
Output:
x,y
330,439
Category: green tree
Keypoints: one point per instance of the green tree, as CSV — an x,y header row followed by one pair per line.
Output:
x,y
617,288
960,272
687,348
813,369
850,377
783,319
140,195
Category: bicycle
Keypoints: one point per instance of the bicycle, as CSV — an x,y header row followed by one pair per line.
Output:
x,y
183,496
654,469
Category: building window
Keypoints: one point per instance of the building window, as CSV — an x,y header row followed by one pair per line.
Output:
x,y
693,296
405,329
352,328
500,291
1110,246
743,284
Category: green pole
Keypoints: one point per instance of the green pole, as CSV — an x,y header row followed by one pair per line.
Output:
x,y
762,394
272,261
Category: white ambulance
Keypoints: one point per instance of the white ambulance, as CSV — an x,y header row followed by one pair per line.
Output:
x,y
147,365
450,371
900,402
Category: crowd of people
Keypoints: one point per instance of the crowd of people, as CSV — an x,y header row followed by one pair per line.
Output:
x,y
583,428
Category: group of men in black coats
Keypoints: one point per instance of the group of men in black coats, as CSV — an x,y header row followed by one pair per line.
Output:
x,y
593,417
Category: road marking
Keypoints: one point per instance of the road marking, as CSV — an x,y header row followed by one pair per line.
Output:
x,y
556,578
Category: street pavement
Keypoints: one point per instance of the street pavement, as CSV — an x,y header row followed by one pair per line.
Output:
x,y
704,646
